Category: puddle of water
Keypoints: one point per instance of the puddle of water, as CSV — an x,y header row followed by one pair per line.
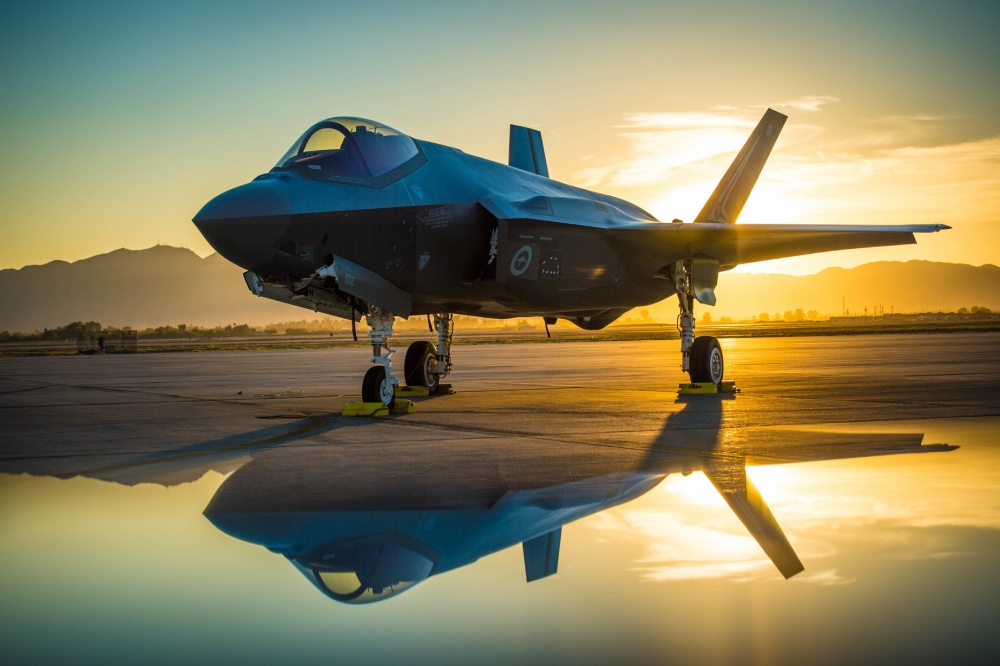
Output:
x,y
639,556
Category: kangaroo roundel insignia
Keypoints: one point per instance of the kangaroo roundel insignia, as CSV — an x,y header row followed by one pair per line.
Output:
x,y
521,261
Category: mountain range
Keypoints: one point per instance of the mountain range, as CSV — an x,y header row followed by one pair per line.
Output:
x,y
893,286
166,285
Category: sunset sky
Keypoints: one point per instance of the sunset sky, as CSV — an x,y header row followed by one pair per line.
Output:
x,y
121,119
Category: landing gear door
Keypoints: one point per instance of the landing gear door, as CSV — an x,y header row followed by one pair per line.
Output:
x,y
704,279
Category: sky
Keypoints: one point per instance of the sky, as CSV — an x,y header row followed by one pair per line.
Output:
x,y
119,120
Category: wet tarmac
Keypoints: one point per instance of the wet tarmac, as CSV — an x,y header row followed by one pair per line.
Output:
x,y
194,507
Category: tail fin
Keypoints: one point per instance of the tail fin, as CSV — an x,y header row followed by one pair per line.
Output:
x,y
731,194
526,150
541,555
745,501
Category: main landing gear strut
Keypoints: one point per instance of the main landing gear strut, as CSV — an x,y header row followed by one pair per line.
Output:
x,y
701,357
424,365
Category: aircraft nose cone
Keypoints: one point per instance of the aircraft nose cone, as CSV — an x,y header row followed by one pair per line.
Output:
x,y
265,197
244,223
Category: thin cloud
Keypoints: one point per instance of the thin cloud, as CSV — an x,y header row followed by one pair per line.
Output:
x,y
891,170
826,578
667,121
808,104
661,143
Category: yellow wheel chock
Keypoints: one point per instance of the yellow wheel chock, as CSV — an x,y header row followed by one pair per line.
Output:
x,y
422,391
702,388
403,407
365,409
377,408
412,391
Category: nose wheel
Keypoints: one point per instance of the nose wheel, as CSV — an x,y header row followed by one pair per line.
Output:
x,y
377,388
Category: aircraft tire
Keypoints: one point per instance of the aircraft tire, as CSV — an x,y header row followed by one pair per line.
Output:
x,y
371,387
706,360
419,365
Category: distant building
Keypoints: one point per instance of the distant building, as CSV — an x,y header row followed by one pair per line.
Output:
x,y
109,342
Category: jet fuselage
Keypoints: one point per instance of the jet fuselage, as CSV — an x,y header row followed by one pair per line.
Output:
x,y
430,233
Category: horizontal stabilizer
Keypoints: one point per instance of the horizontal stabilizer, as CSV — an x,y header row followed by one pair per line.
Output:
x,y
541,555
731,194
745,501
526,150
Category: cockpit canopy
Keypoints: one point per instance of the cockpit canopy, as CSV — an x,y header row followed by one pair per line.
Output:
x,y
368,569
348,149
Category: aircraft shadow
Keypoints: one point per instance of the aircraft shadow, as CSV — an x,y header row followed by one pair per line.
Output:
x,y
179,465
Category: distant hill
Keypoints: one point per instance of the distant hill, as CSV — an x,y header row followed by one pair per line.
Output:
x,y
166,285
154,287
912,286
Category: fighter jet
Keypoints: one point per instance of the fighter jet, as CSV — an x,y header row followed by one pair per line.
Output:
x,y
359,220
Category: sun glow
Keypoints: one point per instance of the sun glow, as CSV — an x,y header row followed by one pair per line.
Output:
x,y
890,171
689,532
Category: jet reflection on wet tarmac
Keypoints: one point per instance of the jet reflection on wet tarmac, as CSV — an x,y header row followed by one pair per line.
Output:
x,y
367,523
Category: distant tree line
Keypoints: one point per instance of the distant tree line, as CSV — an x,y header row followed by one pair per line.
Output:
x,y
303,327
791,315
185,331
67,332
77,328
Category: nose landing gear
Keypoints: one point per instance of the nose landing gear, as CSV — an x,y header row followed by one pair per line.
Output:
x,y
380,384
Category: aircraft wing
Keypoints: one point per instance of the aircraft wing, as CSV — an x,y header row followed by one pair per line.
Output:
x,y
726,243
733,244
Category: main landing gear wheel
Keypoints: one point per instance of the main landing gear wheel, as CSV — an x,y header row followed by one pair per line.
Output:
x,y
420,365
706,360
375,387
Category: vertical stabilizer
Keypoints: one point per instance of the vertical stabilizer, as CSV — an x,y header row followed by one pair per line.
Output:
x,y
745,501
731,194
526,150
541,555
